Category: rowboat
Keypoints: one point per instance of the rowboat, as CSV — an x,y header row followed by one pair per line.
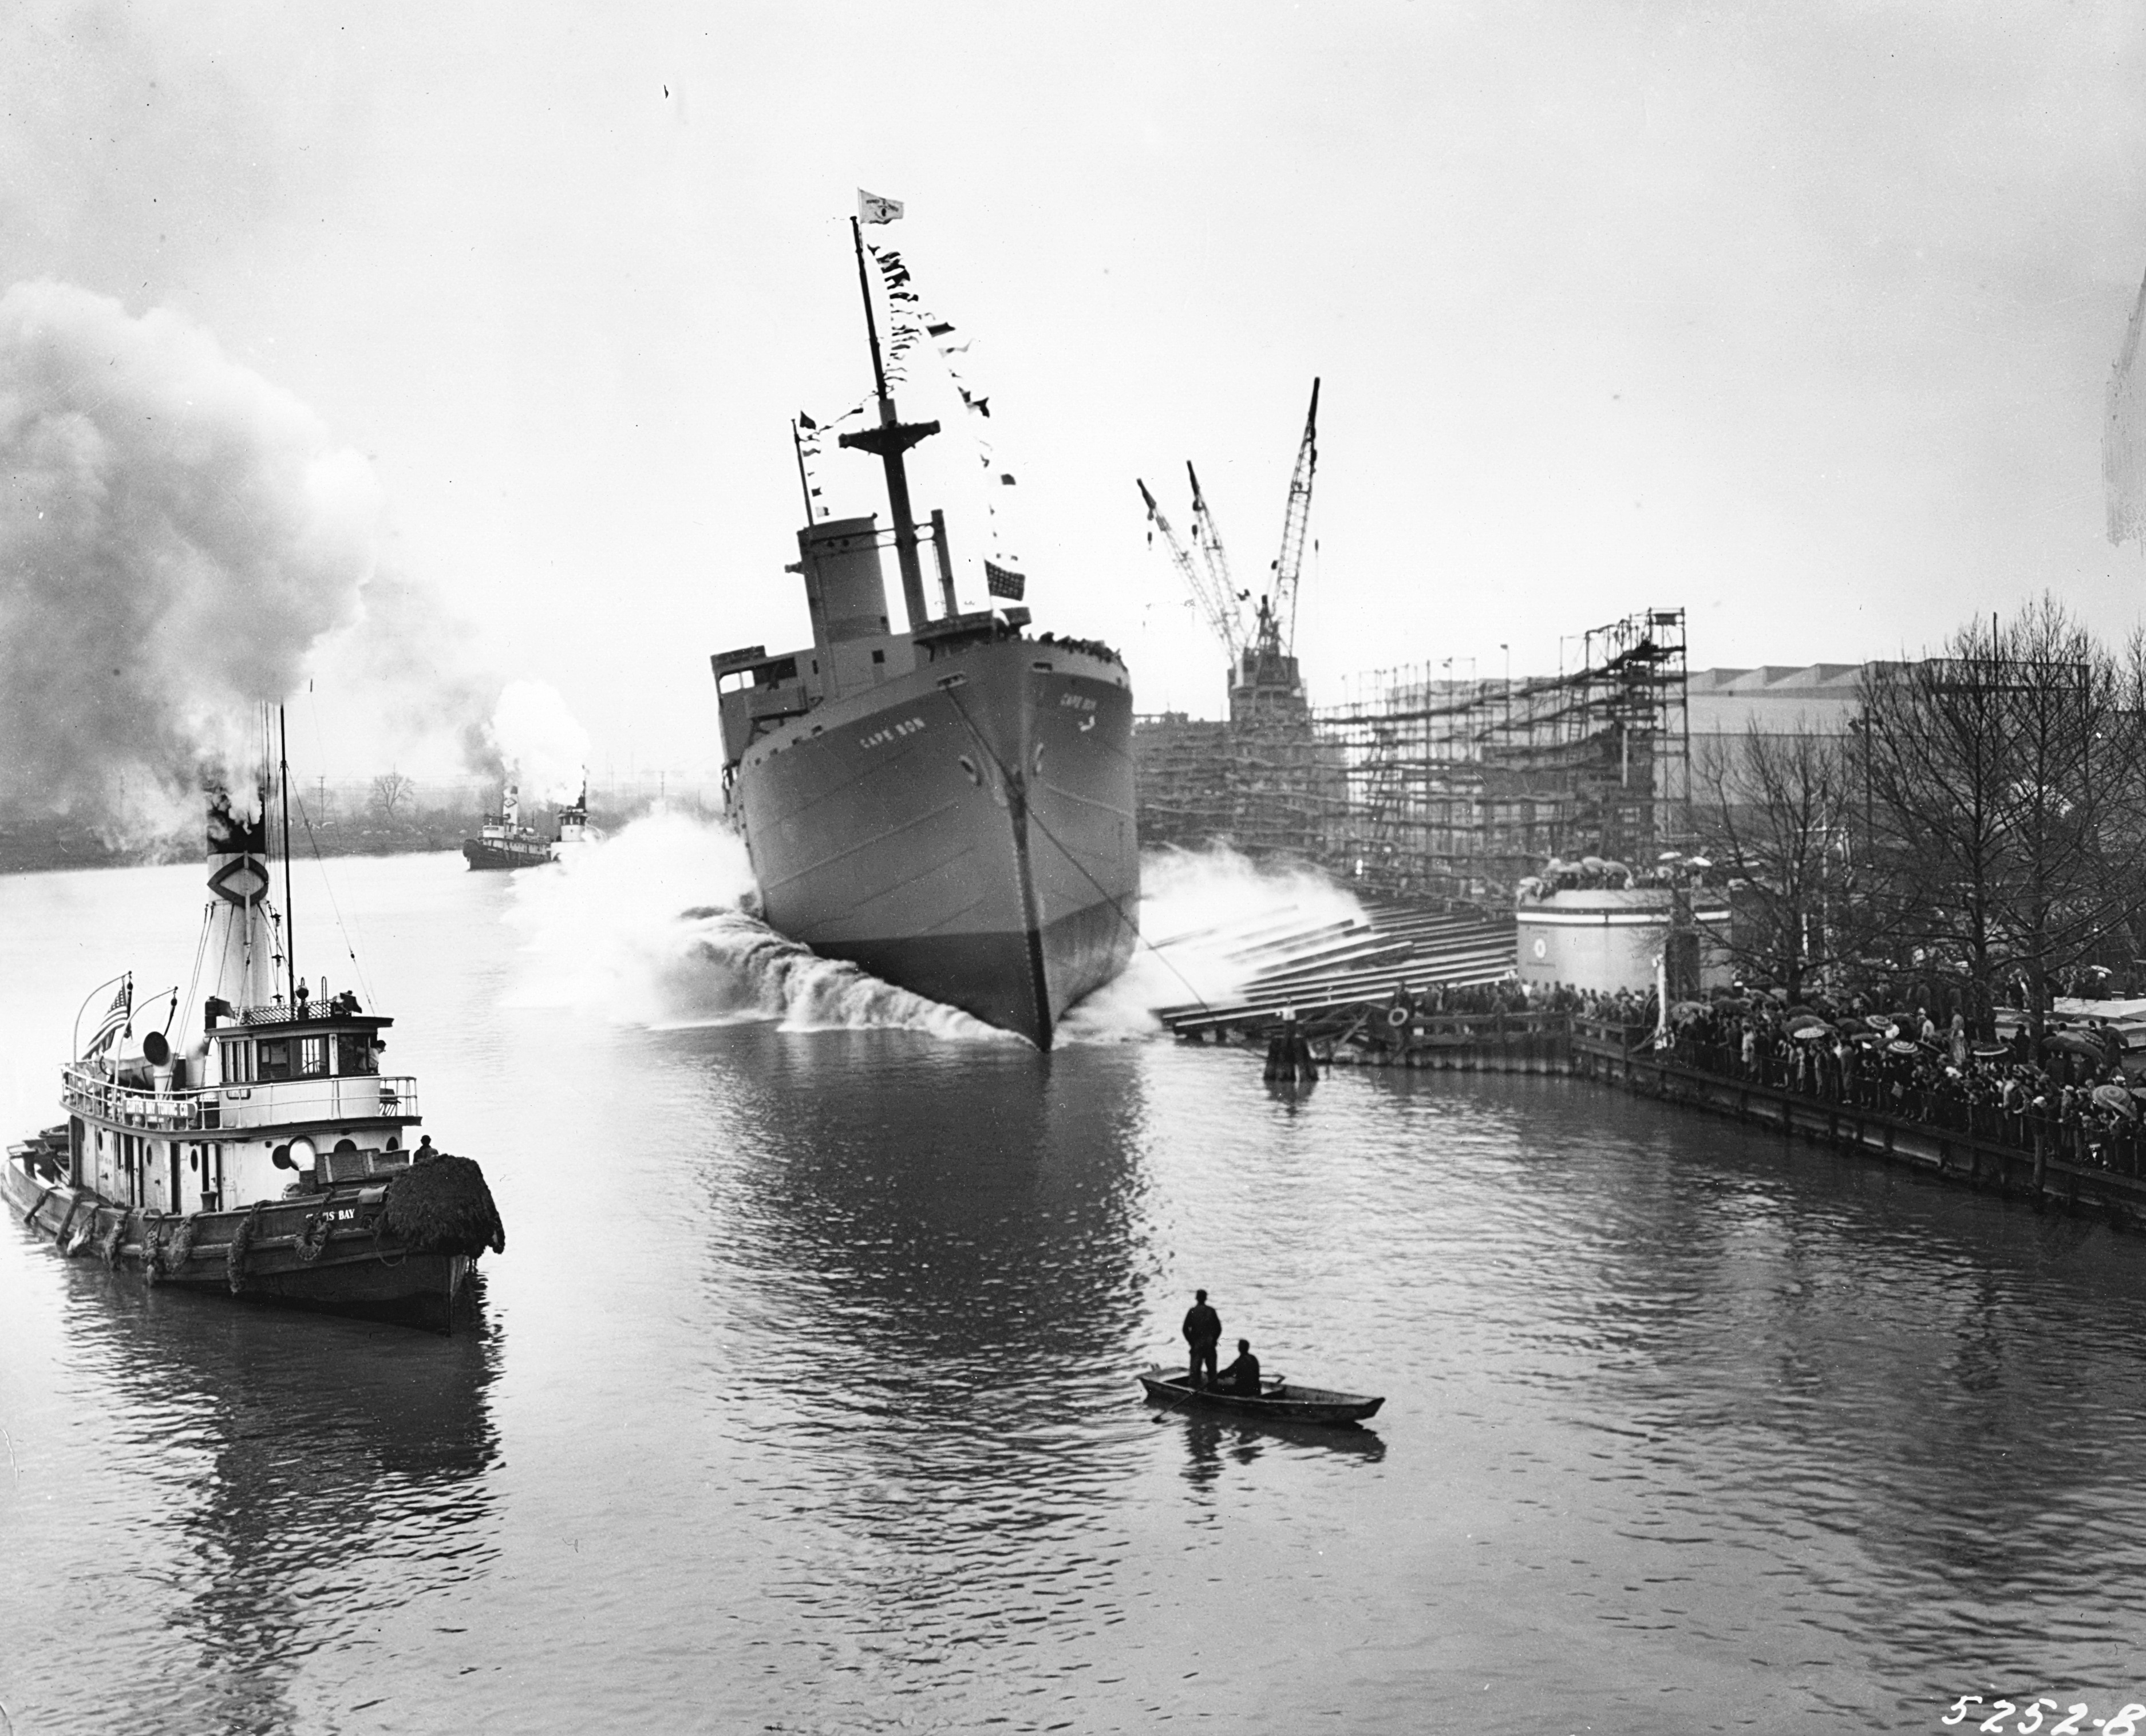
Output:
x,y
1280,1400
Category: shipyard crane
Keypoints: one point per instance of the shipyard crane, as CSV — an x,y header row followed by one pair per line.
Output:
x,y
1278,608
1208,535
1217,602
1263,672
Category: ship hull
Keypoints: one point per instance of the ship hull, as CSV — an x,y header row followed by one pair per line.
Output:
x,y
965,830
319,1252
480,853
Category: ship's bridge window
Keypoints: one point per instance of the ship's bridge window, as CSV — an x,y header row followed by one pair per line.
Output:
x,y
273,1055
354,1053
313,1057
238,1061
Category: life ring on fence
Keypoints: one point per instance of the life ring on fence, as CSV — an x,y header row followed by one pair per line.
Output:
x,y
1397,1016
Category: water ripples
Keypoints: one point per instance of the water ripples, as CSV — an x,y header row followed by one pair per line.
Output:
x,y
805,1401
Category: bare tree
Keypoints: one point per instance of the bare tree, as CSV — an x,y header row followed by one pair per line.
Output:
x,y
1776,815
392,792
1993,773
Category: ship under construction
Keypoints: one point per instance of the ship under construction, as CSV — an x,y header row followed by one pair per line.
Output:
x,y
1422,783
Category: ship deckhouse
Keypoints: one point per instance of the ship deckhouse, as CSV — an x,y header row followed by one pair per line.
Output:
x,y
274,1091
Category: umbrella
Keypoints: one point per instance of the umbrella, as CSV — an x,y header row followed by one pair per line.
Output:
x,y
1806,1021
1593,865
1613,867
1699,861
1990,1051
2115,1097
1685,1011
1897,1047
1811,1033
1881,1021
2073,1042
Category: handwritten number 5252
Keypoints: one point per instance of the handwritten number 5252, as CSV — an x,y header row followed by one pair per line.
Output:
x,y
2125,1723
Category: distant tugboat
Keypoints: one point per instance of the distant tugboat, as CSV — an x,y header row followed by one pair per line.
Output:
x,y
261,1152
574,831
503,841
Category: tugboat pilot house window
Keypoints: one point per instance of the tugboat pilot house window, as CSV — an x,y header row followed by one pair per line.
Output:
x,y
293,1058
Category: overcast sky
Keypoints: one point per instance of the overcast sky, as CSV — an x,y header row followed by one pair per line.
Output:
x,y
1799,317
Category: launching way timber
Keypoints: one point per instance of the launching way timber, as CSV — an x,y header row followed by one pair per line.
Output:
x,y
950,807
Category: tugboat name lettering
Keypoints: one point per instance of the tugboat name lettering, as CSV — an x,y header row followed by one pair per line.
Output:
x,y
879,738
1078,701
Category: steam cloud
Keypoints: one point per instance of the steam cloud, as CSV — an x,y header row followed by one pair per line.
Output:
x,y
536,737
179,537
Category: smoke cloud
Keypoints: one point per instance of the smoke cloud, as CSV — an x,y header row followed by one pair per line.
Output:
x,y
180,540
174,532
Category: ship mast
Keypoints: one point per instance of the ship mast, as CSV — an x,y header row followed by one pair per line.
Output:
x,y
890,440
290,911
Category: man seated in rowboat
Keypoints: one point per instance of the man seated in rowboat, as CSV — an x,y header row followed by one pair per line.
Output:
x,y
1242,1376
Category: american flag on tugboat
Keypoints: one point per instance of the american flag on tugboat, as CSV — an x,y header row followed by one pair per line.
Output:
x,y
1004,581
115,1017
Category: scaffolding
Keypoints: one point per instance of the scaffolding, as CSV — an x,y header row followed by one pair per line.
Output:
x,y
1457,788
1442,786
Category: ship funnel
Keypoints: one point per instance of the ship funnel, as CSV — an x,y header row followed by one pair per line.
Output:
x,y
241,946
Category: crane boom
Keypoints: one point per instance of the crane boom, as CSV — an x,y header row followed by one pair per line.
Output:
x,y
1219,606
1208,535
1278,623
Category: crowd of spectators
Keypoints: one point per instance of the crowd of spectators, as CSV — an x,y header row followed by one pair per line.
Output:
x,y
2069,1095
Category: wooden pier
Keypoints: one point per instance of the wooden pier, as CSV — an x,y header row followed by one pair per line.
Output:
x,y
1348,990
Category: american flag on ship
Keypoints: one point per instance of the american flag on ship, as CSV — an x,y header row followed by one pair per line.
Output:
x,y
115,1018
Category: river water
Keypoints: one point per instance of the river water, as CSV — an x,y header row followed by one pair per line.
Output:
x,y
802,1398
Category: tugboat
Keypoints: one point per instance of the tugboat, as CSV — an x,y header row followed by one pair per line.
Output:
x,y
949,807
258,1150
574,831
503,841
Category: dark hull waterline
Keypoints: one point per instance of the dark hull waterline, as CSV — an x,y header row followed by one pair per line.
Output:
x,y
317,1251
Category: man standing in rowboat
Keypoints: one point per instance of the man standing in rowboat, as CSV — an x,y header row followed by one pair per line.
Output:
x,y
1203,1332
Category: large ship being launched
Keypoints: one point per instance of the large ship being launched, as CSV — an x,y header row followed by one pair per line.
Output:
x,y
951,807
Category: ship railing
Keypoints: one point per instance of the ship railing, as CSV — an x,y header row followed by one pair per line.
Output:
x,y
86,1091
351,1097
337,1097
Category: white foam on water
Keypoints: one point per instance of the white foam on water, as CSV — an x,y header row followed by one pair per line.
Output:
x,y
1198,911
648,927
